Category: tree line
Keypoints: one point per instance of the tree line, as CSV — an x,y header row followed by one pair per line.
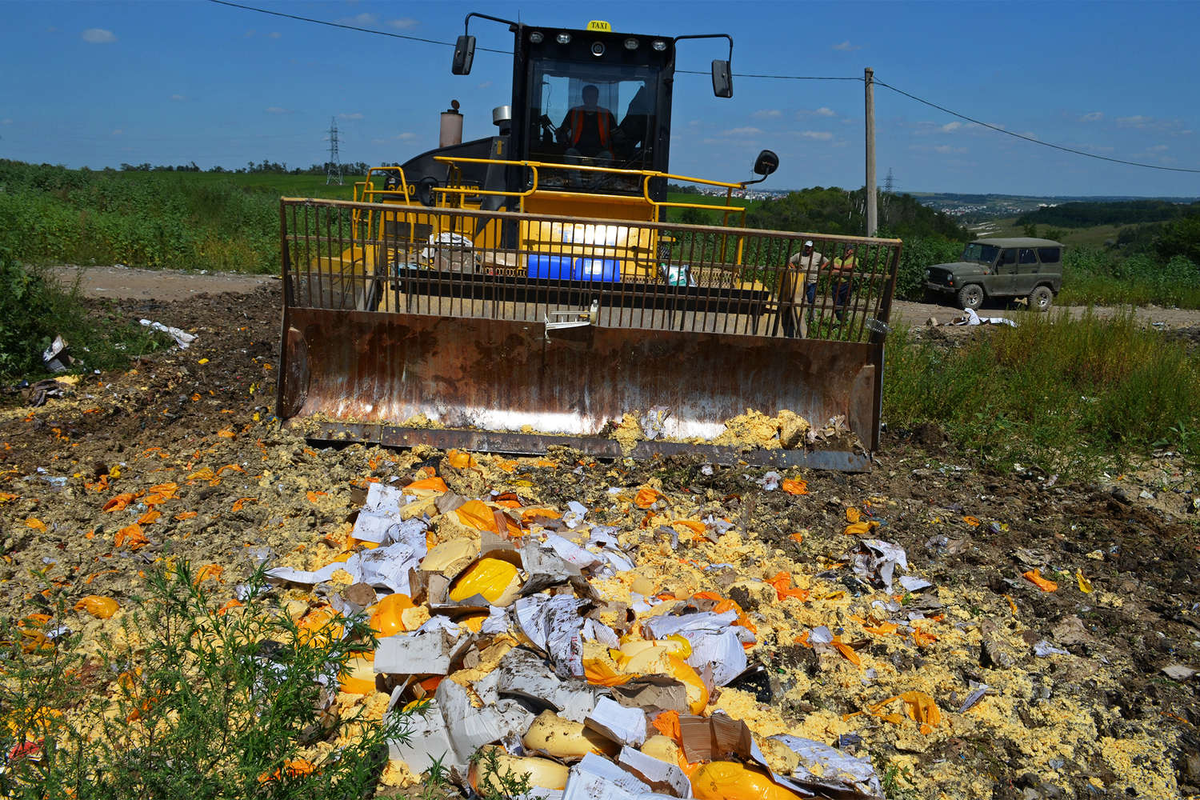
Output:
x,y
264,166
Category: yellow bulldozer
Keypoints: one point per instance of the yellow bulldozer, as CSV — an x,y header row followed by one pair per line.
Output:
x,y
532,288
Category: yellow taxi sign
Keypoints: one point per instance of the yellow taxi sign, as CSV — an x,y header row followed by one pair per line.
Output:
x,y
599,25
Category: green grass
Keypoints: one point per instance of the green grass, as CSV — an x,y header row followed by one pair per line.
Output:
x,y
36,308
1070,397
181,220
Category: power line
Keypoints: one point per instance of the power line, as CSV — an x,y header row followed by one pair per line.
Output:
x,y
775,77
1063,148
884,84
348,27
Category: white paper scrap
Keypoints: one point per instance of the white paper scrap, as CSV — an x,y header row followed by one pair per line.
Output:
x,y
596,777
617,722
653,771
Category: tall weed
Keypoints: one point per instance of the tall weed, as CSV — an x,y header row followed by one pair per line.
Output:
x,y
1069,396
189,699
35,308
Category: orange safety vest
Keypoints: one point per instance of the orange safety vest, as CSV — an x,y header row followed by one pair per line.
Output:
x,y
577,124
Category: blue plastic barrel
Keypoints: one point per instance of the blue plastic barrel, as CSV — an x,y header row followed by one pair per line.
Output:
x,y
551,267
597,269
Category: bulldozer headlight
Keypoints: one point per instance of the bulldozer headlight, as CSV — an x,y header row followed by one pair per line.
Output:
x,y
536,37
631,44
563,38
659,45
597,49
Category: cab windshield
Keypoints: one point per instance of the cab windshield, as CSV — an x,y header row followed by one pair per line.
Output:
x,y
982,253
592,114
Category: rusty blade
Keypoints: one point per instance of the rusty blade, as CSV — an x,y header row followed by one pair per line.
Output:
x,y
503,375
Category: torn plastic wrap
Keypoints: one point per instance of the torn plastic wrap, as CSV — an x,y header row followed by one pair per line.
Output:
x,y
715,641
554,625
597,778
875,561
379,519
388,567
522,673
450,727
830,771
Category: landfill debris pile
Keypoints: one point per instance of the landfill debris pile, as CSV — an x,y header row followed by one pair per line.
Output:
x,y
647,627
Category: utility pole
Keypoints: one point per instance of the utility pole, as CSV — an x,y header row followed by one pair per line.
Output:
x,y
333,168
872,214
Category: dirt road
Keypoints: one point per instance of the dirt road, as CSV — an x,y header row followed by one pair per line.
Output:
x,y
163,285
168,285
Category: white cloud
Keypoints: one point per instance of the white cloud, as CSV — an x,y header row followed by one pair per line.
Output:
x,y
98,36
178,97
484,85
820,136
846,47
1158,148
6,121
379,141
1136,121
275,35
946,149
117,132
1092,116
825,111
276,110
355,115
767,113
362,20
403,24
951,127
747,131
407,136
248,33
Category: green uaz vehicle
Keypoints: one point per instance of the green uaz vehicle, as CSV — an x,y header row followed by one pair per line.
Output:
x,y
992,268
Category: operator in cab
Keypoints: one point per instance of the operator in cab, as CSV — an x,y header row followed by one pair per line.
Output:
x,y
588,129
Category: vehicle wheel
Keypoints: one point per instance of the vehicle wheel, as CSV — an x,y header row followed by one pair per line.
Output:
x,y
1040,299
970,296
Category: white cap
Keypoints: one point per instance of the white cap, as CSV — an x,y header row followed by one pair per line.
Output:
x,y
808,243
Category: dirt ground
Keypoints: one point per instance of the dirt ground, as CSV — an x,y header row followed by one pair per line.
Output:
x,y
1098,719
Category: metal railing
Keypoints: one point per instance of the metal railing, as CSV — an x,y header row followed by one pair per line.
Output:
x,y
568,272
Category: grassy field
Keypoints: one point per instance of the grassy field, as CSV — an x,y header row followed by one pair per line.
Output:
x,y
1067,396
1094,236
229,221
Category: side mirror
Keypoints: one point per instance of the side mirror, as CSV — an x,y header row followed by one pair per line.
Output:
x,y
464,54
722,78
766,163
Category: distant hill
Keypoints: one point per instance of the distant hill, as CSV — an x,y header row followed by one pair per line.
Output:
x,y
1127,212
980,207
834,210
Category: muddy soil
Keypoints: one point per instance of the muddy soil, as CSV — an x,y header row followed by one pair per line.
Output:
x,y
1100,720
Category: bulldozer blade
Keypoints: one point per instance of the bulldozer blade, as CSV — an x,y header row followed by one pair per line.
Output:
x,y
484,384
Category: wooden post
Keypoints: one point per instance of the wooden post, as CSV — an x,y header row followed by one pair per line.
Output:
x,y
872,214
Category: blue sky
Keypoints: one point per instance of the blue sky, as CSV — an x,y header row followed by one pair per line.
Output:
x,y
170,81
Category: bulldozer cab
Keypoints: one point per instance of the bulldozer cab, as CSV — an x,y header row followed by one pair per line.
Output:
x,y
534,288
595,98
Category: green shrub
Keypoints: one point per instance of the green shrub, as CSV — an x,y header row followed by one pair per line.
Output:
x,y
36,308
189,702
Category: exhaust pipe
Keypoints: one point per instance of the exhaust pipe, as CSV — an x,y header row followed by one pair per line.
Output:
x,y
451,126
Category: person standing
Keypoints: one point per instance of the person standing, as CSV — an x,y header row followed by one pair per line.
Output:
x,y
808,263
843,270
